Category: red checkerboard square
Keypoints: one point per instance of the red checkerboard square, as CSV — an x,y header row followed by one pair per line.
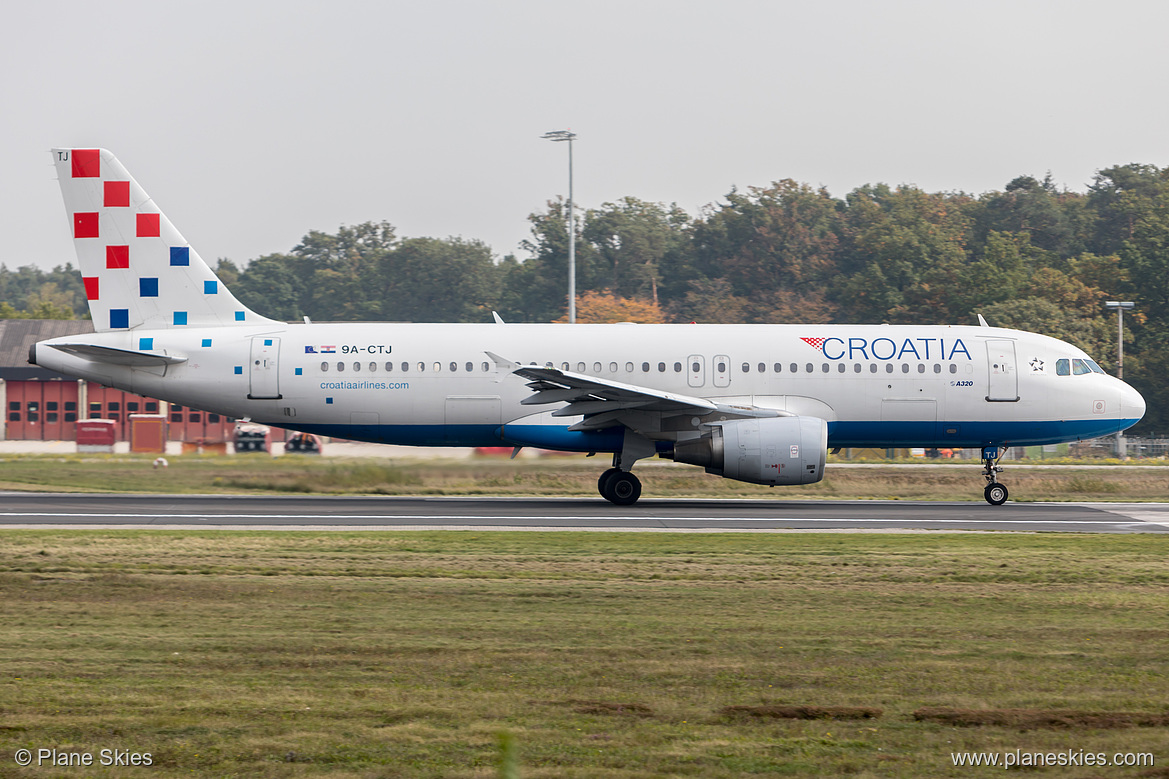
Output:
x,y
91,287
85,225
117,256
117,193
86,163
148,226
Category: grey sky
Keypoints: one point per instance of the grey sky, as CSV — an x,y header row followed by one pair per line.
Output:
x,y
251,123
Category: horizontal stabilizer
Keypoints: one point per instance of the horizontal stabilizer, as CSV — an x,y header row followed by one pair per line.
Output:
x,y
113,356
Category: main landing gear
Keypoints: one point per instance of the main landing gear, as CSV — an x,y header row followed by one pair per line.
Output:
x,y
995,493
618,484
620,487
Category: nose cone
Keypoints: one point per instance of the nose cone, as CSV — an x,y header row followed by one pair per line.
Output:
x,y
1132,405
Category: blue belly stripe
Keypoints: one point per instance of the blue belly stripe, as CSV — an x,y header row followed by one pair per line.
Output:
x,y
969,435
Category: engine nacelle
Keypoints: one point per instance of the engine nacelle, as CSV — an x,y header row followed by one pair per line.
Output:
x,y
774,450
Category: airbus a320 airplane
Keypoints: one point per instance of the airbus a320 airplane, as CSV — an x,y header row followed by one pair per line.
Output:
x,y
756,403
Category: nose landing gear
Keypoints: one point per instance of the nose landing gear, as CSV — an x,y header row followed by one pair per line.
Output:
x,y
996,494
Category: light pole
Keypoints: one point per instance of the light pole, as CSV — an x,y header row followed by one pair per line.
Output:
x,y
1120,306
568,135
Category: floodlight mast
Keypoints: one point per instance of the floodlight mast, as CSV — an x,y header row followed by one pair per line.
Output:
x,y
568,135
1120,306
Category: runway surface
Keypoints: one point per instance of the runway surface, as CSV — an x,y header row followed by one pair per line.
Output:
x,y
408,513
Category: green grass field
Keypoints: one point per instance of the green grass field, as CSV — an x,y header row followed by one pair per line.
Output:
x,y
240,654
261,474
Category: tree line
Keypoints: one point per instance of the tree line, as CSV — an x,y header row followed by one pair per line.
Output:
x,y
1031,256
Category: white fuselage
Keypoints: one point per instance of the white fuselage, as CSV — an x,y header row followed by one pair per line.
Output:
x,y
434,384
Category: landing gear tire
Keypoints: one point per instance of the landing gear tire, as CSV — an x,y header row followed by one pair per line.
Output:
x,y
996,494
603,482
621,488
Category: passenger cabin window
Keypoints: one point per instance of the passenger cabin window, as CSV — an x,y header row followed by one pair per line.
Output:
x,y
471,367
661,367
373,367
356,367
746,367
645,367
762,368
405,367
340,367
677,367
455,367
778,367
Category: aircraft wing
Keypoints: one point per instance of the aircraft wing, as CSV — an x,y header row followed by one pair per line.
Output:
x,y
604,402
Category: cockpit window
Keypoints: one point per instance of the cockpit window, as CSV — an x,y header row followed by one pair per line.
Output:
x,y
1063,367
1095,368
1080,367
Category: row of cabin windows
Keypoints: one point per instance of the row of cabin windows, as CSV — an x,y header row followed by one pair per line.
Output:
x,y
646,367
420,367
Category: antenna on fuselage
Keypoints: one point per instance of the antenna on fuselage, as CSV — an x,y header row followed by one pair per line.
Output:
x,y
982,321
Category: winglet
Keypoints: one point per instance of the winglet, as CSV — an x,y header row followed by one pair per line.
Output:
x,y
502,363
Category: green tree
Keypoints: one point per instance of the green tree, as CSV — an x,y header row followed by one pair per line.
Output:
x,y
776,246
903,252
433,280
634,243
537,289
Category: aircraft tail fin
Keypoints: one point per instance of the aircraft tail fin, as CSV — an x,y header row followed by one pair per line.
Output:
x,y
138,269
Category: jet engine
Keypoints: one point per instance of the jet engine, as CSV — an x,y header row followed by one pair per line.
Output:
x,y
775,450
